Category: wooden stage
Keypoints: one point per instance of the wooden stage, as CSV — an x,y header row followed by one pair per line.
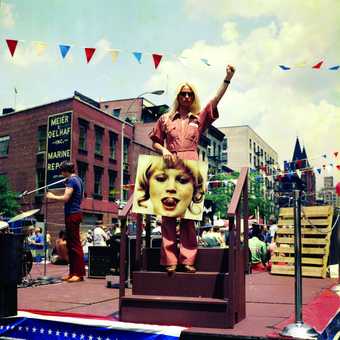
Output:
x,y
269,302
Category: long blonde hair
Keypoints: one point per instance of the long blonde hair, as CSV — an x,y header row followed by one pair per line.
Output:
x,y
195,106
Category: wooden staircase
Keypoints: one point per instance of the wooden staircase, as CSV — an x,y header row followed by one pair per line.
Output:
x,y
316,224
214,296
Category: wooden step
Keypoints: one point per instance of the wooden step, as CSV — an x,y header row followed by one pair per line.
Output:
x,y
316,222
304,231
203,263
304,260
199,284
304,240
290,270
175,310
290,250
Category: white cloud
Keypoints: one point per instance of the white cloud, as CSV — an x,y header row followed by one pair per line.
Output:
x,y
6,15
279,105
230,32
102,47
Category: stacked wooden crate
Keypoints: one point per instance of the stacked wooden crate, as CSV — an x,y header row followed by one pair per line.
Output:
x,y
316,225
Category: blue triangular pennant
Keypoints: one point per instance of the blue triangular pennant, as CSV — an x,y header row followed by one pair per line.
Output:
x,y
285,68
334,68
64,50
138,56
205,61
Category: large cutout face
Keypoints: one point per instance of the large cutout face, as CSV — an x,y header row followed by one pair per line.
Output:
x,y
170,188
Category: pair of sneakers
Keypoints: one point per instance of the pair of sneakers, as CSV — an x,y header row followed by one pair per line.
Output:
x,y
187,268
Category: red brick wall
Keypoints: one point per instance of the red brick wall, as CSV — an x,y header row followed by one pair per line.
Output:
x,y
20,165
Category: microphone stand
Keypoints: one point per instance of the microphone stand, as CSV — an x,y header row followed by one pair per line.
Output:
x,y
44,279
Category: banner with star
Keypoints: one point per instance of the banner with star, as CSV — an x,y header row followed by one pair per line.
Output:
x,y
53,326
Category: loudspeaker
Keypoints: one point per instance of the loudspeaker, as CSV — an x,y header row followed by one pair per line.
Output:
x,y
156,241
11,252
100,262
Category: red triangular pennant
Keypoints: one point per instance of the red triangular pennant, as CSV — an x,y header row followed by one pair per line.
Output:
x,y
338,167
318,65
12,45
157,59
89,51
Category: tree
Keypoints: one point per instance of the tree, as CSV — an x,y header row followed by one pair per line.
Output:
x,y
8,203
221,189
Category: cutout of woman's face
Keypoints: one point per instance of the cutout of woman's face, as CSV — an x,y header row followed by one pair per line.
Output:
x,y
171,192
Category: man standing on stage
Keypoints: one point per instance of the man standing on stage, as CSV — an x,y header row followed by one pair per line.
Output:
x,y
72,197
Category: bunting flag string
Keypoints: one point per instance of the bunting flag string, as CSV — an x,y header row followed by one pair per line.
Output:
x,y
12,45
317,66
114,55
138,56
205,61
89,52
64,50
40,48
156,59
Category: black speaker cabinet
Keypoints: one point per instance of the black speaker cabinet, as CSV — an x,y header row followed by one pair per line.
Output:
x,y
100,262
11,250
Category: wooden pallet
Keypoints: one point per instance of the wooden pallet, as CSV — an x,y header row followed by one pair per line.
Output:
x,y
316,225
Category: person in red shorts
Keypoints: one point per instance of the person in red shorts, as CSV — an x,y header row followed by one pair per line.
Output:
x,y
177,134
72,198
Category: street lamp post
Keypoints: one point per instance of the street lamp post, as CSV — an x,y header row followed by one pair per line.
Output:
x,y
158,93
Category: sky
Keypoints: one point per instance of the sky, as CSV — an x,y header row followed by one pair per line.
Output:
x,y
255,36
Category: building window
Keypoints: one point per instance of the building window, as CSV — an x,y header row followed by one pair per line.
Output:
x,y
99,132
219,152
250,158
126,180
82,170
126,151
116,112
98,173
113,144
4,146
225,157
112,188
254,161
42,131
225,144
40,180
254,145
203,155
213,150
83,137
249,143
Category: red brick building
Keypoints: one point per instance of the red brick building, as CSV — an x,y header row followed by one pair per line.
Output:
x,y
96,151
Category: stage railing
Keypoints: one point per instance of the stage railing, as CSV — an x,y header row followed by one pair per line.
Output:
x,y
238,249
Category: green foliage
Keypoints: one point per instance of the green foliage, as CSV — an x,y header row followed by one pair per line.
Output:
x,y
8,203
221,196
